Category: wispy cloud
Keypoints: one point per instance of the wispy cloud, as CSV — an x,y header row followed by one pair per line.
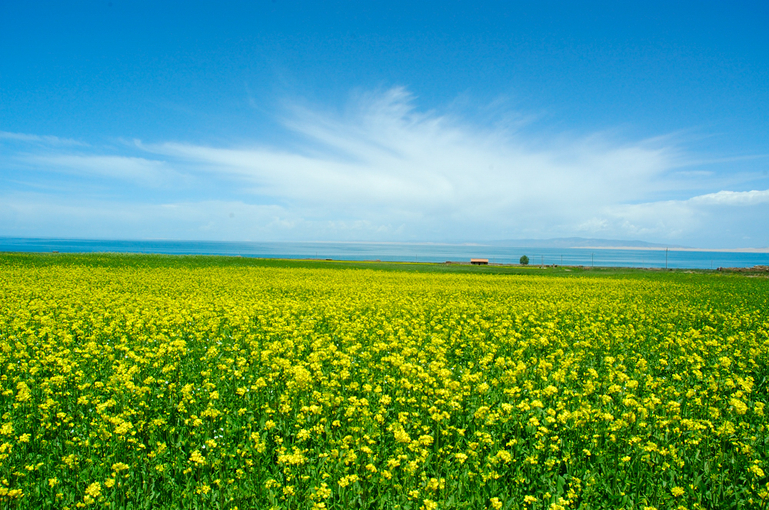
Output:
x,y
384,153
38,139
381,169
141,171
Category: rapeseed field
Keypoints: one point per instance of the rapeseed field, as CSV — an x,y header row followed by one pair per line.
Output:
x,y
326,388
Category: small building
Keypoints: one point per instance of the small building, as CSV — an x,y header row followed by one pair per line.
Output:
x,y
479,262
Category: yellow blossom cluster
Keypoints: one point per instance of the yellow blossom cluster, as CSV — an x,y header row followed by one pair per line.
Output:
x,y
246,386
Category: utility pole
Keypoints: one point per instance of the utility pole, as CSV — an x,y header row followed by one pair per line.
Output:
x,y
592,260
666,258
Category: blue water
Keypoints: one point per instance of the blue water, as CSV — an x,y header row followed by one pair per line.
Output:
x,y
400,252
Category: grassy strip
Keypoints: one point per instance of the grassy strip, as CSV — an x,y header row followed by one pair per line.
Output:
x,y
128,260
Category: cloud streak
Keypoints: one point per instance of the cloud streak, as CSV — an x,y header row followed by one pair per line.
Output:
x,y
38,139
142,171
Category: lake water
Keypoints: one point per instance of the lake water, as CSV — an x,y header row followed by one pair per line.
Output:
x,y
403,252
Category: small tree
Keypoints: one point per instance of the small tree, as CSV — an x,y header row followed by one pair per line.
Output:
x,y
524,260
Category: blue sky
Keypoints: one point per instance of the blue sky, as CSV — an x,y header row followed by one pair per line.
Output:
x,y
386,121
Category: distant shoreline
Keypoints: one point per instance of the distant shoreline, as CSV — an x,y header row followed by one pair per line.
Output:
x,y
655,248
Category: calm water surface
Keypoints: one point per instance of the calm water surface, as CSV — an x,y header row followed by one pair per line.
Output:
x,y
399,252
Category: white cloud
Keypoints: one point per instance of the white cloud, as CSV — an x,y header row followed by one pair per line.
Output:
x,y
384,159
736,198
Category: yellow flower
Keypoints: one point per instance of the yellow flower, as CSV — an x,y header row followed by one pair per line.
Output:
x,y
24,393
401,436
323,492
426,440
94,490
503,456
739,405
197,458
347,480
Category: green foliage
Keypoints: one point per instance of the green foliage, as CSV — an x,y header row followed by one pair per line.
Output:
x,y
524,260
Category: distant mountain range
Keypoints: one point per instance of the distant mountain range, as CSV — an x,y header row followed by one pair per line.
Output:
x,y
578,242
